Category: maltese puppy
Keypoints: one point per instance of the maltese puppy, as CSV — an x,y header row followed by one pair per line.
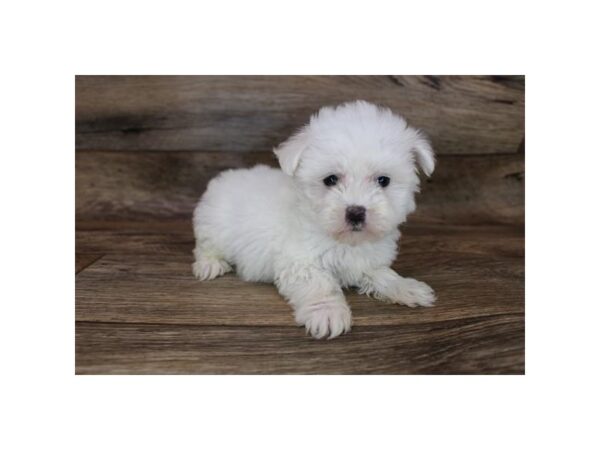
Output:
x,y
327,220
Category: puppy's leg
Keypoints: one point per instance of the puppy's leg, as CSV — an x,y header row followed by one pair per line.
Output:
x,y
317,299
209,264
385,284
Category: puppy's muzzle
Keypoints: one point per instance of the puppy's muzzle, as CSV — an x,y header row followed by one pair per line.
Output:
x,y
356,216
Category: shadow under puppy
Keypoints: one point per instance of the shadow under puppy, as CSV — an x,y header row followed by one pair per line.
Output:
x,y
327,220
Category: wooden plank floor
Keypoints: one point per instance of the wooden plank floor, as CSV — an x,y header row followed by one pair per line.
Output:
x,y
140,311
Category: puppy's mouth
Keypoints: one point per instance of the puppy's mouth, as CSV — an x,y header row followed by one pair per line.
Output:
x,y
354,233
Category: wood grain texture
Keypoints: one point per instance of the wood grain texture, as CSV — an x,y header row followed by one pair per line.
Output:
x,y
139,310
461,114
489,345
144,186
175,237
83,260
139,288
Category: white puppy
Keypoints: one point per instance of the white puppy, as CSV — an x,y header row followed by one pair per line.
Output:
x,y
328,220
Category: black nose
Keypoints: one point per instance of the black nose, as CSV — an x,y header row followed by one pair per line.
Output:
x,y
355,215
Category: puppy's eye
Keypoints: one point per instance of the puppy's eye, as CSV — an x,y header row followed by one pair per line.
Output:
x,y
331,180
383,181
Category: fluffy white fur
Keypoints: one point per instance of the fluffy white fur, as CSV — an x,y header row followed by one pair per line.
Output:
x,y
286,226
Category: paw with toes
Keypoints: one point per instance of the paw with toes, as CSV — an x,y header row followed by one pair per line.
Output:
x,y
411,292
206,268
325,318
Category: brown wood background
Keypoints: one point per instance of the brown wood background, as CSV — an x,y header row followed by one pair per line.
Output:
x,y
146,146
462,115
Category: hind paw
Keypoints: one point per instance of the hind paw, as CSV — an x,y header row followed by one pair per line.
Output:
x,y
208,268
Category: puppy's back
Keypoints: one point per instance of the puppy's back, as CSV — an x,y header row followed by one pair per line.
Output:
x,y
244,215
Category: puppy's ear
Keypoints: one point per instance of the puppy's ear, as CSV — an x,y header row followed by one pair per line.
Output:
x,y
289,152
424,154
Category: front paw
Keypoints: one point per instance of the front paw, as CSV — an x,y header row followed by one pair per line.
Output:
x,y
329,317
411,292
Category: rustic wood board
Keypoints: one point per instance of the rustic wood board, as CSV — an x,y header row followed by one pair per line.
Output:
x,y
146,186
146,289
151,238
485,345
139,310
461,114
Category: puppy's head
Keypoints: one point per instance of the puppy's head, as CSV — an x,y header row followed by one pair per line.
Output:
x,y
356,167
